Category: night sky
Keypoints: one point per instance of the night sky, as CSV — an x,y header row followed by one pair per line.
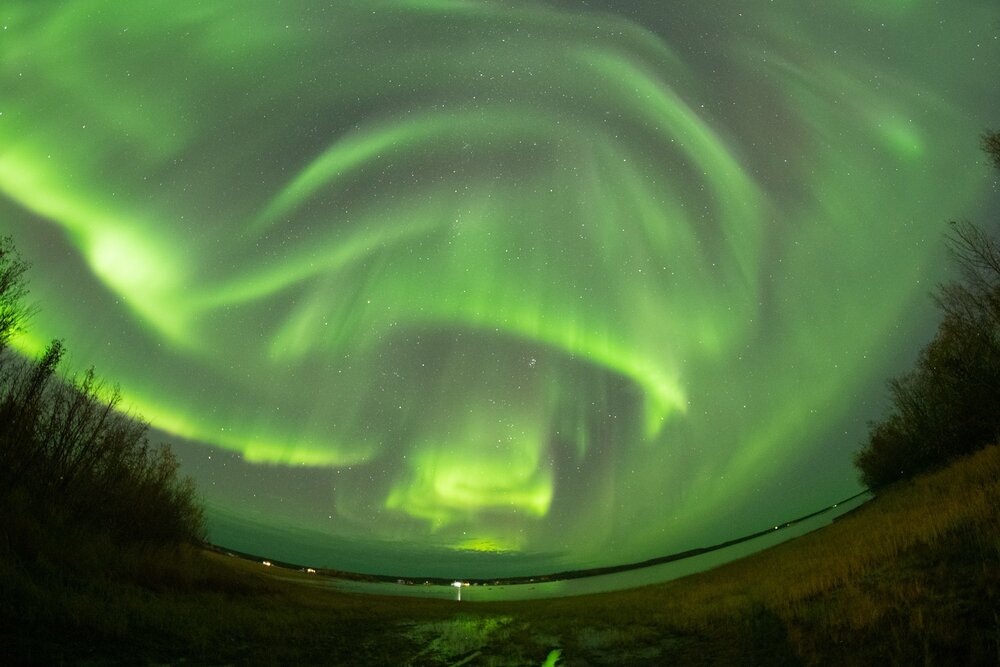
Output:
x,y
494,287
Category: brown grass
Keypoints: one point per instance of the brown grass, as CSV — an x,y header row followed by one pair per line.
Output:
x,y
911,578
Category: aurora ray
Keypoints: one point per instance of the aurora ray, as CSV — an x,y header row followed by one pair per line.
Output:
x,y
522,278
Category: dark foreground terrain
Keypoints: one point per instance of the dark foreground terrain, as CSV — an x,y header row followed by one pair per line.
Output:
x,y
911,578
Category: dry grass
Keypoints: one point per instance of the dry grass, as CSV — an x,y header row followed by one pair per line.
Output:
x,y
911,578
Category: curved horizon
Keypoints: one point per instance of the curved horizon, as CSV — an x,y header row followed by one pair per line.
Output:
x,y
487,283
522,579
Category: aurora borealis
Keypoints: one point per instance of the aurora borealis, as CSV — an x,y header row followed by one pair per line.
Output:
x,y
570,282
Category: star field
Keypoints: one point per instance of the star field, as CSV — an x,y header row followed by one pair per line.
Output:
x,y
568,282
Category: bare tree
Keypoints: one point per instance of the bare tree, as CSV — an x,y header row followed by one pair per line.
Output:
x,y
949,405
14,312
991,145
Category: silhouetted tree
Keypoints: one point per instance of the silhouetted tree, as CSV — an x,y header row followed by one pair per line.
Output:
x,y
949,405
14,312
69,453
991,144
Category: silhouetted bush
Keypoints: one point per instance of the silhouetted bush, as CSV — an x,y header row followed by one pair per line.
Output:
x,y
991,144
69,456
949,405
13,289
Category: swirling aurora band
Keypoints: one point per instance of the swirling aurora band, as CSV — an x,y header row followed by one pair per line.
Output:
x,y
514,277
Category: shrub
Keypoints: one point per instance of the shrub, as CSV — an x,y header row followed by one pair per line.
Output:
x,y
949,405
13,290
67,448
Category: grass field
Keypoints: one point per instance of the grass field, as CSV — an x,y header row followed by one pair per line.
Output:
x,y
911,578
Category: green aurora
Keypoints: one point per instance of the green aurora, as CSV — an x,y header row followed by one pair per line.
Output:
x,y
582,282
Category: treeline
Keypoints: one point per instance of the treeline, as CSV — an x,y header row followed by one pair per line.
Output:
x,y
949,405
69,458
